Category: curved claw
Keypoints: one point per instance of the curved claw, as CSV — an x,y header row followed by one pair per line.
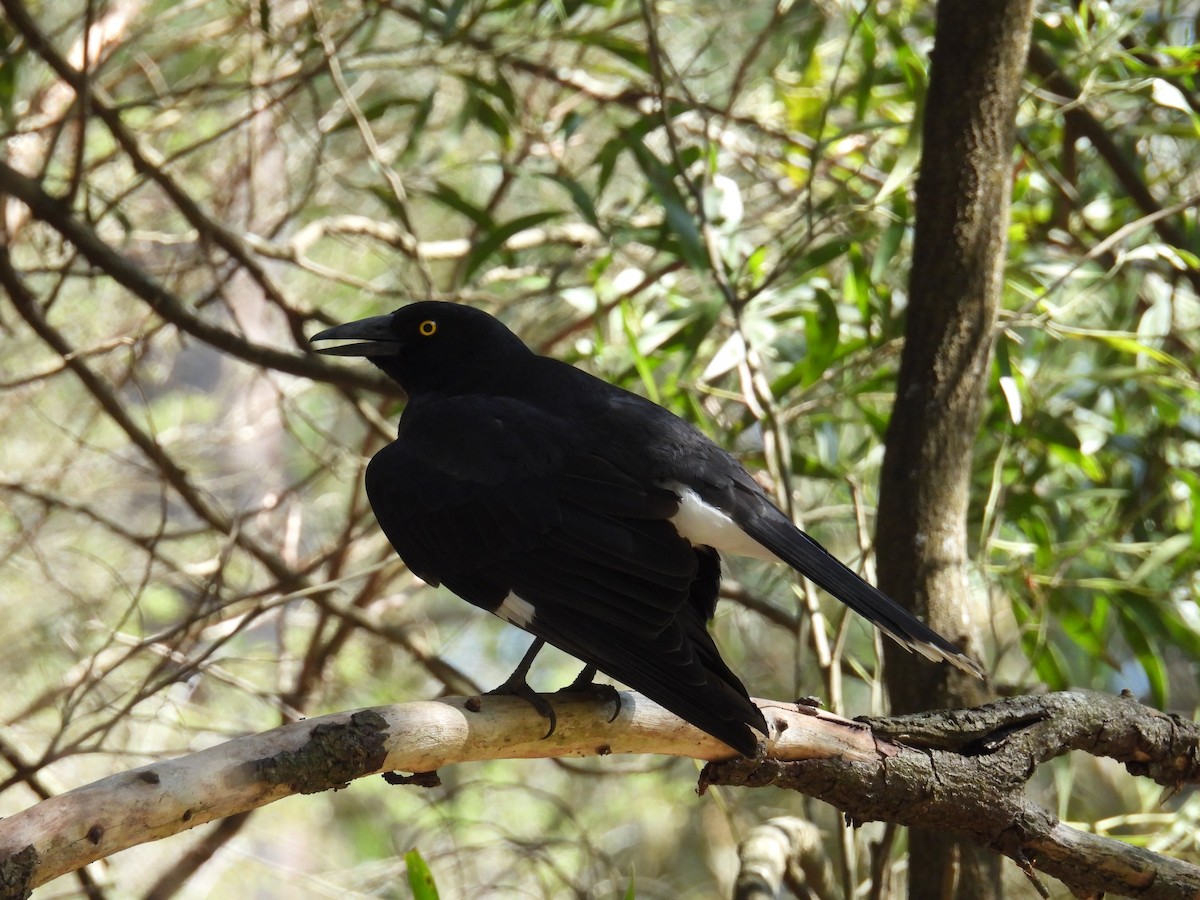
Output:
x,y
583,684
518,688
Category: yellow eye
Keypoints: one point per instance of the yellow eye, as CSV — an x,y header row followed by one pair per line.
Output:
x,y
427,328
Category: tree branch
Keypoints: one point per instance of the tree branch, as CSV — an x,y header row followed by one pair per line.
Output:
x,y
1121,163
55,213
783,850
78,81
974,791
963,772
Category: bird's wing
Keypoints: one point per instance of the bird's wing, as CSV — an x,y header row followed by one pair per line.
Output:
x,y
500,503
491,500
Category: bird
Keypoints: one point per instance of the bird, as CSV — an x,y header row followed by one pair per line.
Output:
x,y
583,513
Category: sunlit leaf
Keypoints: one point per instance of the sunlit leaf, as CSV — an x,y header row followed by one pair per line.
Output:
x,y
1164,552
1008,384
1166,94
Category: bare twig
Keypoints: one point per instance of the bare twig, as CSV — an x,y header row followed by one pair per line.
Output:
x,y
50,210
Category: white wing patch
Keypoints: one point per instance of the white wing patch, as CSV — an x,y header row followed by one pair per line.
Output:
x,y
705,525
515,611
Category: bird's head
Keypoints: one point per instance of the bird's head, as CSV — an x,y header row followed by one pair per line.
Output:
x,y
432,346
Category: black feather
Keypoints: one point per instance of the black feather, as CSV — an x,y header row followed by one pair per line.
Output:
x,y
517,475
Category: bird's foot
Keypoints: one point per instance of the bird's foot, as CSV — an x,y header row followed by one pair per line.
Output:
x,y
584,684
517,687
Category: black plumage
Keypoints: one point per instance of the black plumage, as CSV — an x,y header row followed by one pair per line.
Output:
x,y
585,514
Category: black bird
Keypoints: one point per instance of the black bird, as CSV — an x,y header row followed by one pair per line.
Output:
x,y
582,513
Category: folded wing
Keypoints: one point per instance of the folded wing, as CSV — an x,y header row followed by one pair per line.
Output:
x,y
522,509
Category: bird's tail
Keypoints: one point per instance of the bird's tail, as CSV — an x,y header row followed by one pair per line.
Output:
x,y
802,553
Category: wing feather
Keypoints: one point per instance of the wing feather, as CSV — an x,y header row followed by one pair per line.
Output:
x,y
589,545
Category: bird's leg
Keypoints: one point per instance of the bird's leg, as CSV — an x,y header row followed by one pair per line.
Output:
x,y
583,681
584,684
517,685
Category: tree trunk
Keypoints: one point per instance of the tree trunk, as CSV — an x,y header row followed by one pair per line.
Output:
x,y
957,277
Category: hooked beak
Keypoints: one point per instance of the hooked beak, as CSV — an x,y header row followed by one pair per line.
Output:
x,y
375,330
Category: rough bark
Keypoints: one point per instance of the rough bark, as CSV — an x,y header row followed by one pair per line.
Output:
x,y
962,772
958,259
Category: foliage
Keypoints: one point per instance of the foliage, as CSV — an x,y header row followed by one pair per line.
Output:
x,y
708,204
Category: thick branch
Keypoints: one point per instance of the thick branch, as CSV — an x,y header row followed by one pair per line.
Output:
x,y
66,832
974,794
783,850
966,774
1155,745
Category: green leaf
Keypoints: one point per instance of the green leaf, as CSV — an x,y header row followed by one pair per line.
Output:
x,y
606,159
1138,627
901,174
416,128
890,240
1192,482
633,52
579,196
1163,553
450,17
856,285
868,67
495,238
821,255
1087,631
640,362
487,115
8,78
679,218
498,87
822,329
371,112
420,879
756,267
1130,345
1047,661
450,197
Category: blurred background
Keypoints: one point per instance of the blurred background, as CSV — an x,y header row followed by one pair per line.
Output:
x,y
708,203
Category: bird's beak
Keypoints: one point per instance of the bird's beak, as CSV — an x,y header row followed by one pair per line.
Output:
x,y
375,330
